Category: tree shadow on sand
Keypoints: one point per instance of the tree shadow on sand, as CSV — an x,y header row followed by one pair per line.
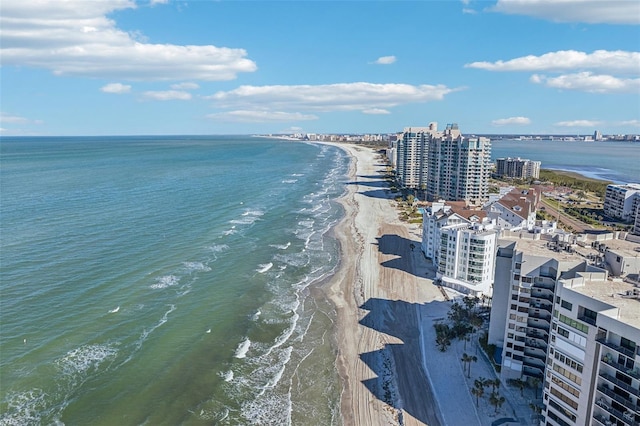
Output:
x,y
400,379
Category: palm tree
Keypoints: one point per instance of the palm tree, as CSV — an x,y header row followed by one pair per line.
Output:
x,y
473,358
496,400
535,382
477,392
465,360
480,382
494,384
520,384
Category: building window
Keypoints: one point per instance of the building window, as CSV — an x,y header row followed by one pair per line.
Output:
x,y
566,305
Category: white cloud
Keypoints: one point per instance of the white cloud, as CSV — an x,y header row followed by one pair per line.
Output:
x,y
589,11
248,116
167,95
469,11
76,37
185,86
588,82
15,119
563,60
385,60
521,121
375,111
330,97
634,123
154,2
117,88
578,123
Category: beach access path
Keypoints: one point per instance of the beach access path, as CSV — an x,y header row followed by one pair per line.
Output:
x,y
386,303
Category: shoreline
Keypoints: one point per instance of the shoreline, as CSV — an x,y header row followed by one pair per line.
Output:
x,y
379,354
386,305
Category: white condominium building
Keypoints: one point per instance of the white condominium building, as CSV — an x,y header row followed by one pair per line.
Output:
x,y
567,324
461,244
458,167
411,155
622,201
593,370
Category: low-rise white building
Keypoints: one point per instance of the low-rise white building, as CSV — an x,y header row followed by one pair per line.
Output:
x,y
516,210
622,201
461,243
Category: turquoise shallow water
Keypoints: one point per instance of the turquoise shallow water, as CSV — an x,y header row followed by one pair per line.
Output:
x,y
167,280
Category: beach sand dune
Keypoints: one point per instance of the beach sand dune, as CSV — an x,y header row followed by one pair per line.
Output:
x,y
377,291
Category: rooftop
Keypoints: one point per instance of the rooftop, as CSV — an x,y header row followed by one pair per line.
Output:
x,y
611,292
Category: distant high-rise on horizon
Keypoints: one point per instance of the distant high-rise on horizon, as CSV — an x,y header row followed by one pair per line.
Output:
x,y
518,168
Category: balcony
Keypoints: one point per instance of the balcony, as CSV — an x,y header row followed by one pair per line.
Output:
x,y
540,325
535,353
532,370
588,320
618,398
626,417
541,316
602,420
544,283
620,383
625,351
540,305
548,297
608,359
538,334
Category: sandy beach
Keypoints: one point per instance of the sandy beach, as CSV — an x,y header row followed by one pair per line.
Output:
x,y
377,292
386,304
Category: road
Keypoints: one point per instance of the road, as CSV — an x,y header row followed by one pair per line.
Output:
x,y
577,225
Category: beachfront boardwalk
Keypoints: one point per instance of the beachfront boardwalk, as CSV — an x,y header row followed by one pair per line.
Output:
x,y
452,387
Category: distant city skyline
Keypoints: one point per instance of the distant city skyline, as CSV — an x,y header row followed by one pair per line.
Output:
x,y
124,67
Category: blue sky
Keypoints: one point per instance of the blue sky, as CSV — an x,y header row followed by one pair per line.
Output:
x,y
125,67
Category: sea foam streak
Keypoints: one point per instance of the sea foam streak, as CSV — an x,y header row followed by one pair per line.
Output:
x,y
281,246
165,281
264,267
243,348
196,267
114,310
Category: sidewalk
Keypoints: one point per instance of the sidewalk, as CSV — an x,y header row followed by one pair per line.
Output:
x,y
451,386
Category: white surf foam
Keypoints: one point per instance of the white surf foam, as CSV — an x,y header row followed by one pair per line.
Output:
x,y
164,319
264,267
85,358
219,248
255,316
24,408
281,246
290,181
196,267
230,231
114,310
243,348
165,281
227,375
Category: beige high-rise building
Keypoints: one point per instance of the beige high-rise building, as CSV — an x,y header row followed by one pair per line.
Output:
x,y
411,155
458,167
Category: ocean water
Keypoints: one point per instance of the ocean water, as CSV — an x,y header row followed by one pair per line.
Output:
x,y
614,161
167,280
